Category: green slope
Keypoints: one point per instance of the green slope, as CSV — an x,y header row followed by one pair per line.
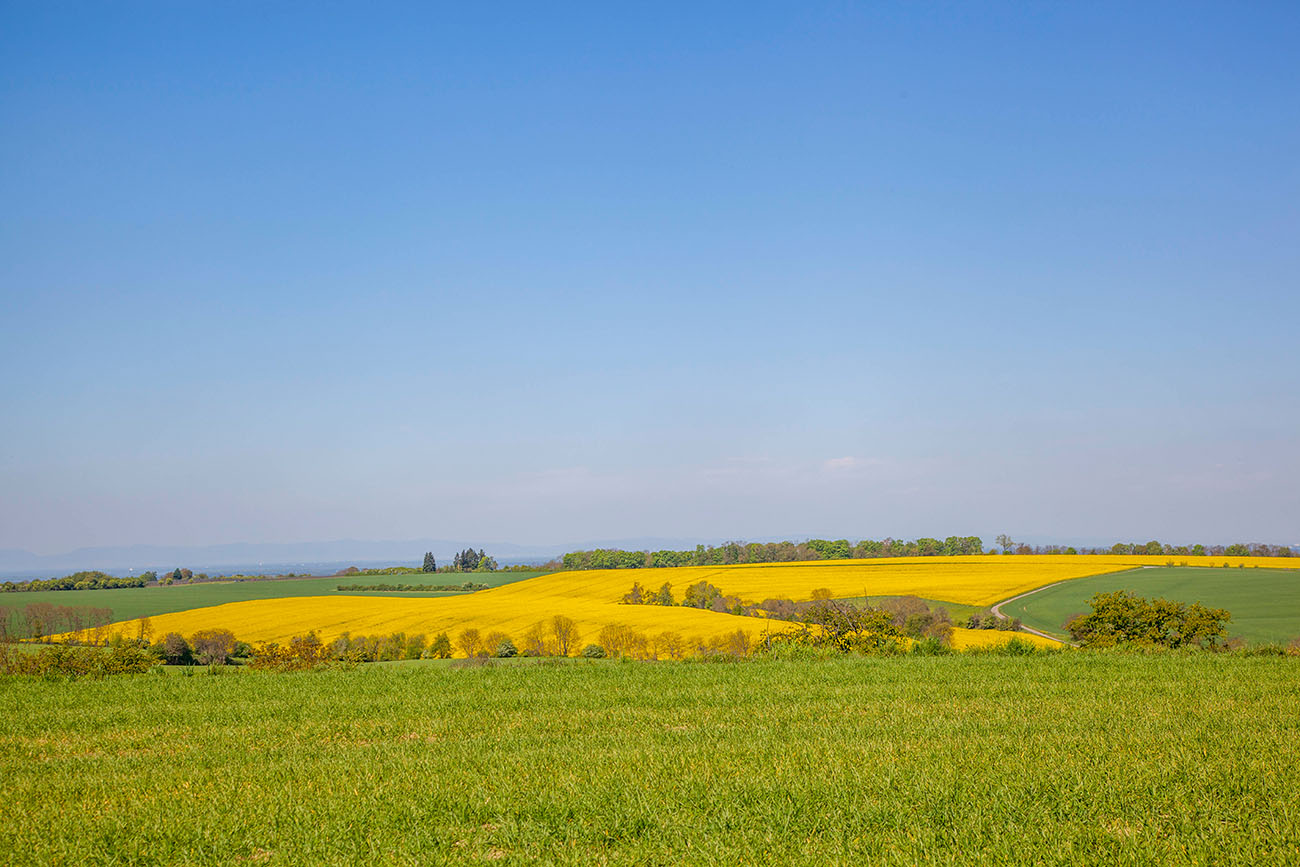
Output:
x,y
135,602
1264,603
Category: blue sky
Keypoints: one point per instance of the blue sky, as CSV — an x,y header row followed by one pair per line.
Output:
x,y
281,272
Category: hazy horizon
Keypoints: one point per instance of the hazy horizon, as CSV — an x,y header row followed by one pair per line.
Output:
x,y
547,275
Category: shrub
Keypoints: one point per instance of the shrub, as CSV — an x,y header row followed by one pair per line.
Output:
x,y
77,661
848,628
440,647
506,649
213,646
303,652
931,646
1019,647
593,651
492,641
176,650
1126,618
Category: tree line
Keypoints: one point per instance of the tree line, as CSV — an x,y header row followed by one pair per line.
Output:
x,y
466,587
38,620
732,553
91,580
911,615
468,560
772,552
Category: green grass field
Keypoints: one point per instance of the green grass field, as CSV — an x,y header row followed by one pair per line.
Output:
x,y
1064,759
1264,603
133,602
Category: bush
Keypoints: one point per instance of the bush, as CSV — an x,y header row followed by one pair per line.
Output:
x,y
593,651
77,661
303,652
213,646
506,649
440,648
1019,647
175,650
930,647
1121,617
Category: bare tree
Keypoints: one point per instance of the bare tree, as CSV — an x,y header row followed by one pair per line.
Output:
x,y
535,643
212,646
565,630
470,642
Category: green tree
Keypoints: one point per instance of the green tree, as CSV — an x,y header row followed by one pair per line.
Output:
x,y
430,564
440,648
701,595
1122,617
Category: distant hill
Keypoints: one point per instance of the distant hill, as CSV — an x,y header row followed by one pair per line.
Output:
x,y
19,563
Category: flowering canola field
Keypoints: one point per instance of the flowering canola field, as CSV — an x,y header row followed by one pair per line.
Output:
x,y
592,598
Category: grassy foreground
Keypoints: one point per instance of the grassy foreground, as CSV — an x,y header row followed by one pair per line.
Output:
x,y
1265,603
1062,759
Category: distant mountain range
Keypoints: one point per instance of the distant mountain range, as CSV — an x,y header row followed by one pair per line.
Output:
x,y
16,562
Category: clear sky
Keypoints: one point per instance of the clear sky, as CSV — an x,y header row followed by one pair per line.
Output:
x,y
559,272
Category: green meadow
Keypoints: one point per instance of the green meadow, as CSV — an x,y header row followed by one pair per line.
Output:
x,y
1065,758
1264,603
132,602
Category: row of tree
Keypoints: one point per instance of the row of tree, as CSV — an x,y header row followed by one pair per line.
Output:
x,y
79,581
38,620
465,587
470,560
842,549
910,614
1153,548
95,580
771,552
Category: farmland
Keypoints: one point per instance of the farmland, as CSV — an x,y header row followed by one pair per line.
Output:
x,y
1264,603
1059,759
130,603
592,598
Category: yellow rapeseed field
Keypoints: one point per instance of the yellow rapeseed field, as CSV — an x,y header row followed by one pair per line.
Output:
x,y
592,598
970,639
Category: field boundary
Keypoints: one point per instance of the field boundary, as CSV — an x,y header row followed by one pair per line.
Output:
x,y
997,612
997,609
